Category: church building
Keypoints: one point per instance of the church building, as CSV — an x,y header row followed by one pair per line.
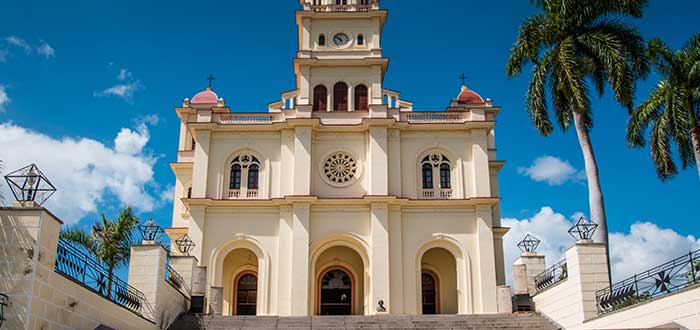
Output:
x,y
340,199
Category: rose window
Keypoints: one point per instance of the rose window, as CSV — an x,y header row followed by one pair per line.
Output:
x,y
340,168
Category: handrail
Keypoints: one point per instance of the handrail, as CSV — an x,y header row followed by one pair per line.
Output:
x,y
93,275
551,276
3,302
177,282
659,281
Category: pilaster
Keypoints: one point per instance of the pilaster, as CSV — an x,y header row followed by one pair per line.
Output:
x,y
300,260
196,230
302,161
587,265
486,261
377,164
379,271
396,272
201,164
480,164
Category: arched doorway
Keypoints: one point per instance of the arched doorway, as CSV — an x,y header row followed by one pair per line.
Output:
x,y
430,293
439,294
245,294
336,292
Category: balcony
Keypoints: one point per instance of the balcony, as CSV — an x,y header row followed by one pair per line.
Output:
x,y
373,5
436,194
436,117
239,194
250,118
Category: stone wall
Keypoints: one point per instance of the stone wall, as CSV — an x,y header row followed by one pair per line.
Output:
x,y
682,308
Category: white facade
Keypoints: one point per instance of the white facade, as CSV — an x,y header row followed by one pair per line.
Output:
x,y
341,193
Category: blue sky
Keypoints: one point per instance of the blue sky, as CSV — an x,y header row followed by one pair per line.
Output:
x,y
152,54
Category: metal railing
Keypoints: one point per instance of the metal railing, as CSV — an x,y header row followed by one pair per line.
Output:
x,y
3,303
668,278
93,275
346,7
177,282
551,276
435,117
249,118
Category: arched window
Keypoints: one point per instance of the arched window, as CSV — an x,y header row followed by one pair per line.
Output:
x,y
361,98
364,2
436,168
427,176
445,181
322,40
340,97
341,2
360,40
253,173
320,98
235,177
248,167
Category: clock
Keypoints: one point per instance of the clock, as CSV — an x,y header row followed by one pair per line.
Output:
x,y
341,39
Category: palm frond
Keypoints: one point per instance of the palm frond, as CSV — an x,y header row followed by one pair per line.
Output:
x,y
645,114
661,149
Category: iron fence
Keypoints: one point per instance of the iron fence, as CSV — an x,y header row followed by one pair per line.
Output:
x,y
176,281
3,303
670,277
94,276
551,276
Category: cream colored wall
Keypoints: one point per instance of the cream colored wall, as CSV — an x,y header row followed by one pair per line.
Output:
x,y
326,143
352,28
441,263
682,308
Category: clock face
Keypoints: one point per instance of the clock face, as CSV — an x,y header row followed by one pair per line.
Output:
x,y
341,39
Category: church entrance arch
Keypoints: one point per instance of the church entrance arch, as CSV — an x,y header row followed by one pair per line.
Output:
x,y
336,292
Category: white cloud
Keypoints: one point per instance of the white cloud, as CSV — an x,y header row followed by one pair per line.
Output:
x,y
86,172
124,91
19,42
552,170
645,245
124,74
4,99
46,50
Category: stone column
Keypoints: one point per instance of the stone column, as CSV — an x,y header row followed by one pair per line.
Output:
x,y
196,230
186,267
505,304
216,300
486,269
147,272
199,281
379,269
396,269
525,269
302,161
300,260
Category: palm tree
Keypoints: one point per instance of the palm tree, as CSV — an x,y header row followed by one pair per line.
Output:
x,y
576,45
110,241
672,109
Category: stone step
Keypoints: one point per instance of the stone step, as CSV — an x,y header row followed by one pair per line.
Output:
x,y
388,322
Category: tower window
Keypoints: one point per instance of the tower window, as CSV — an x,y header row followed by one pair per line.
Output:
x,y
341,2
340,97
427,176
320,98
253,172
445,181
361,98
235,177
436,168
360,40
322,40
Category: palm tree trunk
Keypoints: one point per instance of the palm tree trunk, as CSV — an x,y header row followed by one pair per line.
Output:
x,y
109,281
695,136
595,194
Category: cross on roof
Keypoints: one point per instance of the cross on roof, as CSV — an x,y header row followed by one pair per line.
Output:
x,y
463,78
211,79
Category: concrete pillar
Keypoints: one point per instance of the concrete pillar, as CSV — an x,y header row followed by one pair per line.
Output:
x,y
525,269
216,301
587,264
485,268
186,267
379,270
377,164
396,261
200,170
147,273
505,304
300,260
302,161
199,281
284,261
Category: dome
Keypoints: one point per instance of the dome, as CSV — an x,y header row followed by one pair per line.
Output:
x,y
205,97
468,96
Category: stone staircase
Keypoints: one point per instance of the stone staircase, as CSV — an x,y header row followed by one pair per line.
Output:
x,y
388,322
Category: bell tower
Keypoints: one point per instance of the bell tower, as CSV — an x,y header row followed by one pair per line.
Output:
x,y
339,65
